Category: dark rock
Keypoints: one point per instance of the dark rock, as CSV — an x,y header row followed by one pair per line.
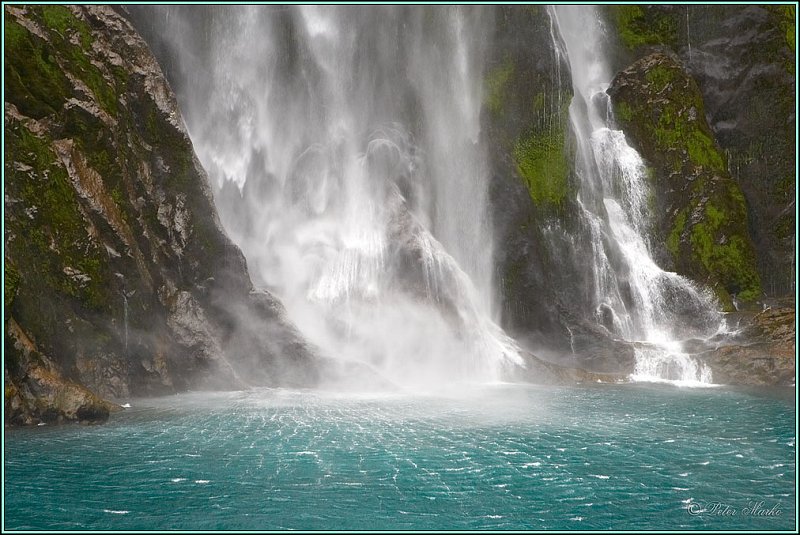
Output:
x,y
117,269
703,214
35,390
540,371
744,64
763,353
743,59
540,268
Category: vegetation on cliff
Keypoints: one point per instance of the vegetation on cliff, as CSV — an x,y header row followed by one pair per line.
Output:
x,y
119,279
743,60
705,227
542,162
644,25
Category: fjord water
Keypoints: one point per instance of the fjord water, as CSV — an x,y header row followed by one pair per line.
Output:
x,y
502,457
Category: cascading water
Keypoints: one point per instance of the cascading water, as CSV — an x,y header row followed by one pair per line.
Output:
x,y
634,297
345,147
125,305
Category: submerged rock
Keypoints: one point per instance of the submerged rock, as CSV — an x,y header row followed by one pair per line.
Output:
x,y
119,280
541,371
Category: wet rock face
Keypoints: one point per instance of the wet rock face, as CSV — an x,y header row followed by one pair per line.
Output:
x,y
763,354
742,58
117,271
526,98
36,391
704,221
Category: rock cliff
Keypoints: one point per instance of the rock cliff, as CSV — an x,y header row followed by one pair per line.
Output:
x,y
119,280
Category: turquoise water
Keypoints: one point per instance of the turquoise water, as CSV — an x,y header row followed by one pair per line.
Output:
x,y
503,457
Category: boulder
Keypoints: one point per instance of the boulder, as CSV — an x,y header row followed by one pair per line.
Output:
x,y
702,230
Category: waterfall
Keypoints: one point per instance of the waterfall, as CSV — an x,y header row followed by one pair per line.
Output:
x,y
688,35
648,305
125,312
344,148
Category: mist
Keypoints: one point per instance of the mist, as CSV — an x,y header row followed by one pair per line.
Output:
x,y
345,152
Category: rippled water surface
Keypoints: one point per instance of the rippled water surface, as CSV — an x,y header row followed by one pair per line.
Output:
x,y
499,457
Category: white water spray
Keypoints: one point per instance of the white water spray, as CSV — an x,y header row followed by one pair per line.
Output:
x,y
344,144
125,305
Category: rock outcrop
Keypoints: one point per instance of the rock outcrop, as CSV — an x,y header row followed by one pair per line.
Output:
x,y
763,353
742,58
119,280
704,217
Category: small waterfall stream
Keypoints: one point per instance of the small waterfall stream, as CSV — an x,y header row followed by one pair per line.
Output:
x,y
125,304
646,304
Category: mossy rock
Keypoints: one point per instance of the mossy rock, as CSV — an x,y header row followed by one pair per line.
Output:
x,y
109,217
542,163
639,26
704,225
34,81
57,254
496,85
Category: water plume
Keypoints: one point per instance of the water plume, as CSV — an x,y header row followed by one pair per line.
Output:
x,y
344,146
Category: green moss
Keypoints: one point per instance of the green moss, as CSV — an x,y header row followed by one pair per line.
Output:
x,y
10,284
660,76
62,23
702,150
624,112
119,199
121,78
56,239
639,26
543,165
34,81
714,216
539,103
729,258
786,21
495,85
61,19
678,126
674,238
80,66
